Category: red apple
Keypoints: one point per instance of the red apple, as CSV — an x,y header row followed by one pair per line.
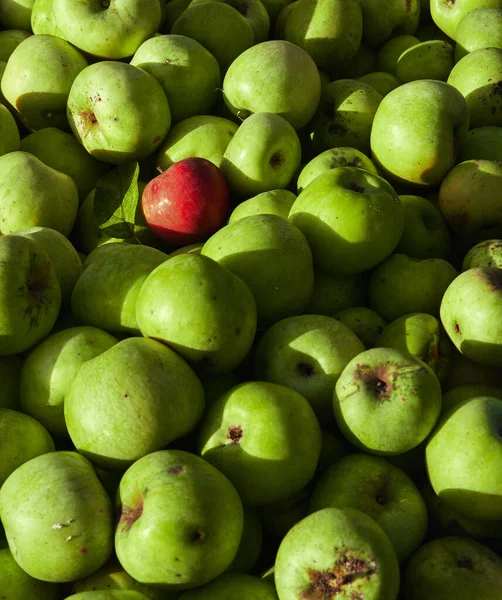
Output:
x,y
187,202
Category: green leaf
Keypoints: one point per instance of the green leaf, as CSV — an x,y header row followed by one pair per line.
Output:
x,y
116,200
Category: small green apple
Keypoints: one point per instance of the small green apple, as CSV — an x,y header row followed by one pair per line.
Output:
x,y
386,401
273,202
459,394
480,28
382,82
417,285
389,53
487,253
364,322
264,154
233,585
482,143
49,65
426,60
351,218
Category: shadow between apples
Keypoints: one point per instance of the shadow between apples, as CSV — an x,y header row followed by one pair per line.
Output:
x,y
482,352
43,109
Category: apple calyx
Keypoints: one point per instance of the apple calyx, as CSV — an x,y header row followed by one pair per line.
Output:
x,y
305,369
376,379
234,434
197,537
347,569
277,159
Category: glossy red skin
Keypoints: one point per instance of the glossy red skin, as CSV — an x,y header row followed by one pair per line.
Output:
x,y
186,203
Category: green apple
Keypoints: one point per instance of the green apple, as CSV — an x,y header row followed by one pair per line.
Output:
x,y
188,73
459,394
384,18
351,218
43,20
233,585
55,501
9,132
482,143
10,376
331,159
307,353
64,257
477,76
382,82
16,583
173,10
345,115
471,311
50,368
481,28
426,60
431,113
180,522
61,151
329,31
200,309
487,253
364,322
205,136
448,15
421,335
479,179
282,19
130,400
458,476
264,154
16,14
426,233
272,257
382,491
453,567
10,40
35,195
107,29
108,595
333,293
337,552
219,27
389,53
251,544
274,7
273,202
30,296
106,293
49,66
417,285
118,112
274,76
386,401
23,438
265,438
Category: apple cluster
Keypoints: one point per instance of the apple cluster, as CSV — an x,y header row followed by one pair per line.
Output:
x,y
251,299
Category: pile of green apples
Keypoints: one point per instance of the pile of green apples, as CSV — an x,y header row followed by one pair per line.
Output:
x,y
291,387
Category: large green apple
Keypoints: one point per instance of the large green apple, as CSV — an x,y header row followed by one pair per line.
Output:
x,y
30,296
431,113
469,199
274,76
453,567
482,143
264,154
329,31
205,136
35,195
383,18
188,73
308,354
50,368
108,28
105,294
200,309
274,202
382,491
337,552
132,399
180,522
23,438
426,60
481,28
351,218
56,501
477,76
49,66
389,53
345,115
265,438
272,257
9,132
219,27
471,313
417,285
386,401
16,14
448,14
233,585
458,476
118,112
61,151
